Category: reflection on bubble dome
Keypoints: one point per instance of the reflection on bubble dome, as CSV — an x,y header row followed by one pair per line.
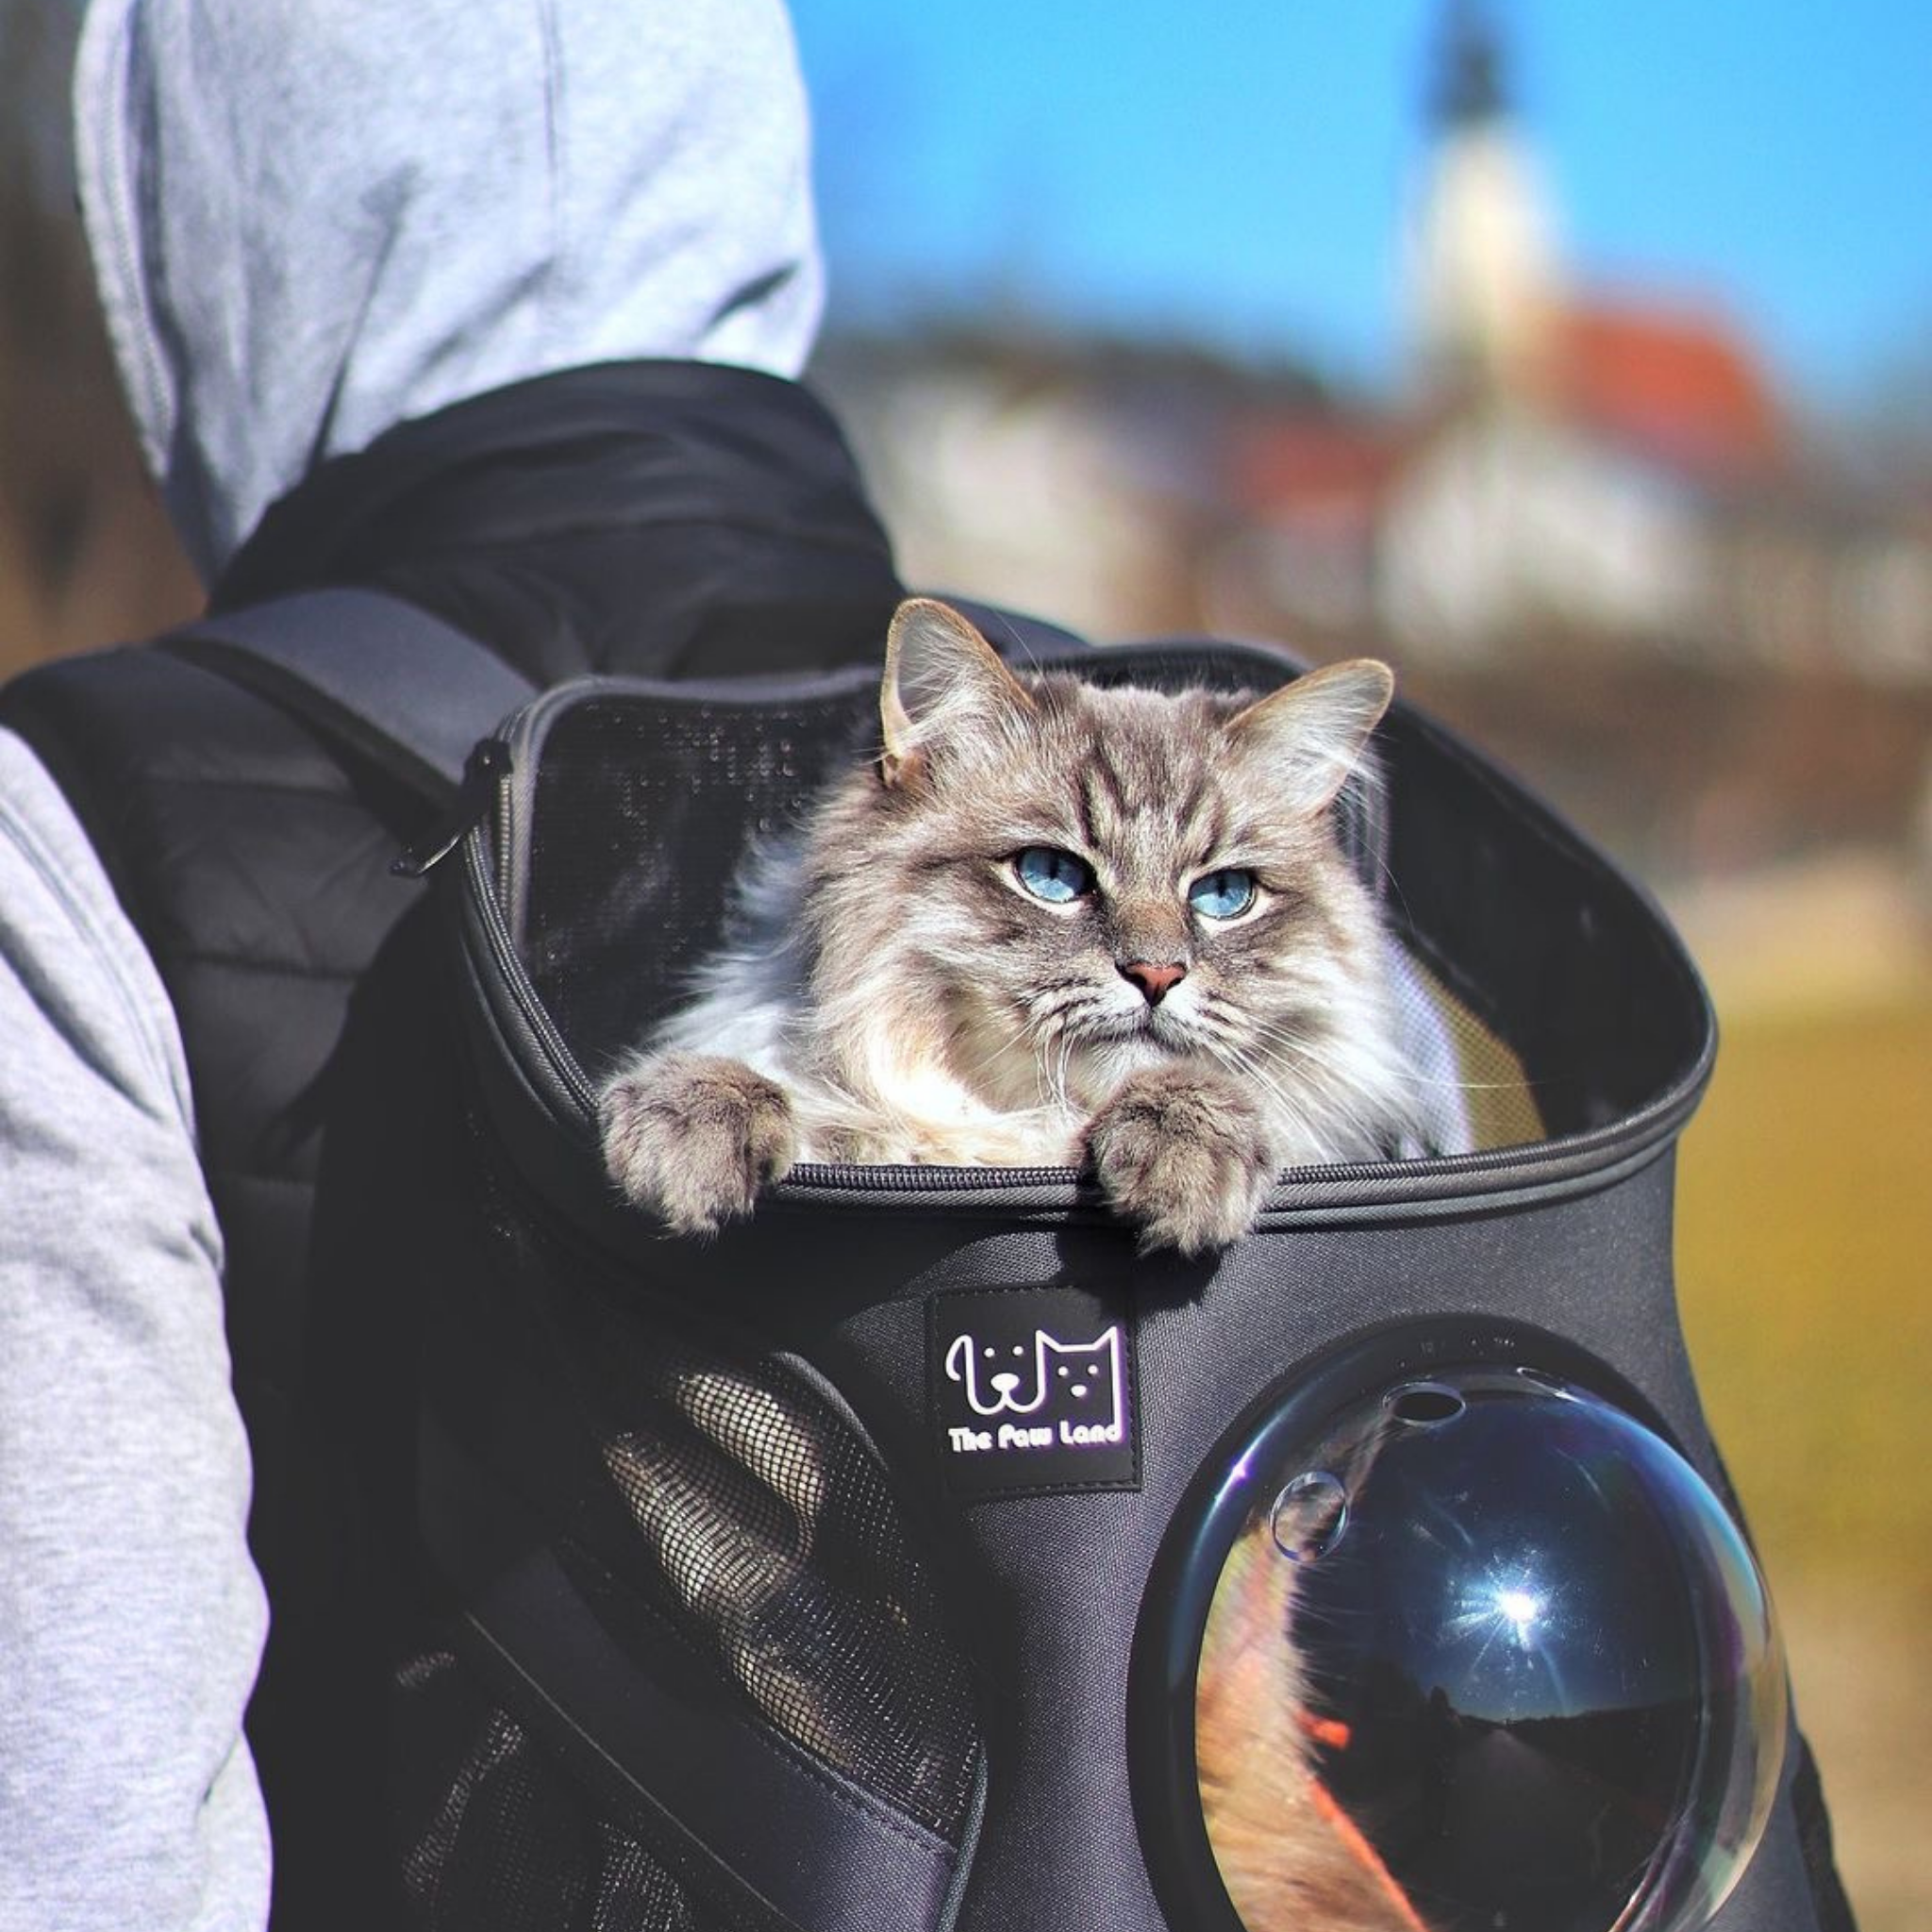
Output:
x,y
1539,1672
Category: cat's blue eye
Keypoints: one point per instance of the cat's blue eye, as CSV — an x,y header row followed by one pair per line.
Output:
x,y
1052,874
1224,895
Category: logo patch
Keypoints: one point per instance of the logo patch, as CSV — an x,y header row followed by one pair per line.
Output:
x,y
1033,1390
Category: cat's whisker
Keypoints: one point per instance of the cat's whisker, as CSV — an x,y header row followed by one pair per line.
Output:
x,y
1051,1055
1356,1118
1240,1061
1414,1074
1062,1067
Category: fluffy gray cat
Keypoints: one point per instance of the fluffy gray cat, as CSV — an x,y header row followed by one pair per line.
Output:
x,y
1056,925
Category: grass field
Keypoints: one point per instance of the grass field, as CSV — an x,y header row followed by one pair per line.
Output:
x,y
1804,1272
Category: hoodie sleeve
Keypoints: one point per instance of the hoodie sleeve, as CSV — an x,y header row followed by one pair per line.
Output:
x,y
131,1618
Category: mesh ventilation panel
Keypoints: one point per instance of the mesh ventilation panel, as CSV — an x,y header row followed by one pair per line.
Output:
x,y
496,1836
766,1539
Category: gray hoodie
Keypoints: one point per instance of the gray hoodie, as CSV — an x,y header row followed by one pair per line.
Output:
x,y
310,219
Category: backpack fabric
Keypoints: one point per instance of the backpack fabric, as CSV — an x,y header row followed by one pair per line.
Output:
x,y
711,1633
639,1457
504,1430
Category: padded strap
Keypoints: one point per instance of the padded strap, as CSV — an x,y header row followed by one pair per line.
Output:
x,y
403,689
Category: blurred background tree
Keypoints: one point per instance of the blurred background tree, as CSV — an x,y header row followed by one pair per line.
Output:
x,y
86,555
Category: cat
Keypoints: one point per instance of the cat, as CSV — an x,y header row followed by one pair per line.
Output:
x,y
1057,923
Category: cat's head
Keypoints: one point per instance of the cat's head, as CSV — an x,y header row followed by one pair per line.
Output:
x,y
1069,881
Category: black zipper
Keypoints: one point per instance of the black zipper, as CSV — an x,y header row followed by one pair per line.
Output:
x,y
489,764
1397,1190
532,1015
1559,1166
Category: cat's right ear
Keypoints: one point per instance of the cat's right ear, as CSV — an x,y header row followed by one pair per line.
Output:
x,y
1315,732
942,680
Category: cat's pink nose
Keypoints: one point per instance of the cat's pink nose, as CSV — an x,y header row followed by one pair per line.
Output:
x,y
1157,982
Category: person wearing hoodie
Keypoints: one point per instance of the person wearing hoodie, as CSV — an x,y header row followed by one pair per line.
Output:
x,y
497,306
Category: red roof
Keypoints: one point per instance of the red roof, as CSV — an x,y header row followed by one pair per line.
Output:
x,y
1681,386
1334,467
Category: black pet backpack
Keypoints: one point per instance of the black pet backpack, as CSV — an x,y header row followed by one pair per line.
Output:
x,y
916,1557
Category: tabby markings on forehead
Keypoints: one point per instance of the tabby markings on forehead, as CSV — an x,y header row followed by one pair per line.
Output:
x,y
1116,785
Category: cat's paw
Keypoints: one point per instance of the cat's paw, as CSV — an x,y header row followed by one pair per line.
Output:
x,y
1183,1157
694,1137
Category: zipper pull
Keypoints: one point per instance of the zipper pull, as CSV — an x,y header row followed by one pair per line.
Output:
x,y
488,765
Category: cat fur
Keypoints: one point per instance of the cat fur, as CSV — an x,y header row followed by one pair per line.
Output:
x,y
893,994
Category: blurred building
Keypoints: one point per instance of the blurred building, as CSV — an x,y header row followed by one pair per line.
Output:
x,y
1617,470
1080,479
1620,468
1588,524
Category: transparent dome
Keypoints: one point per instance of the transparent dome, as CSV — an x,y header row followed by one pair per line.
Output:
x,y
1479,1650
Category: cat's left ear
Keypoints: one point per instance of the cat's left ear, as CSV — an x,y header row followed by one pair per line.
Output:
x,y
942,680
1315,731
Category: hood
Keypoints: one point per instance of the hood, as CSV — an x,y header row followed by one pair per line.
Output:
x,y
311,222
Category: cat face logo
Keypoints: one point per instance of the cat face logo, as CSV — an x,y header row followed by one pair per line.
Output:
x,y
1001,1380
1033,1390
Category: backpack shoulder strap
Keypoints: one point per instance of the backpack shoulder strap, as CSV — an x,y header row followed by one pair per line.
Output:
x,y
406,689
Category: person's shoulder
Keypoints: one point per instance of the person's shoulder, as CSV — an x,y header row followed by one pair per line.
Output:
x,y
43,848
68,955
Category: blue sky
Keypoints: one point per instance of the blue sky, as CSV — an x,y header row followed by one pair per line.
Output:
x,y
1238,168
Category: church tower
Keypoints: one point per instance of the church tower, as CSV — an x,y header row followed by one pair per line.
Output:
x,y
1486,280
